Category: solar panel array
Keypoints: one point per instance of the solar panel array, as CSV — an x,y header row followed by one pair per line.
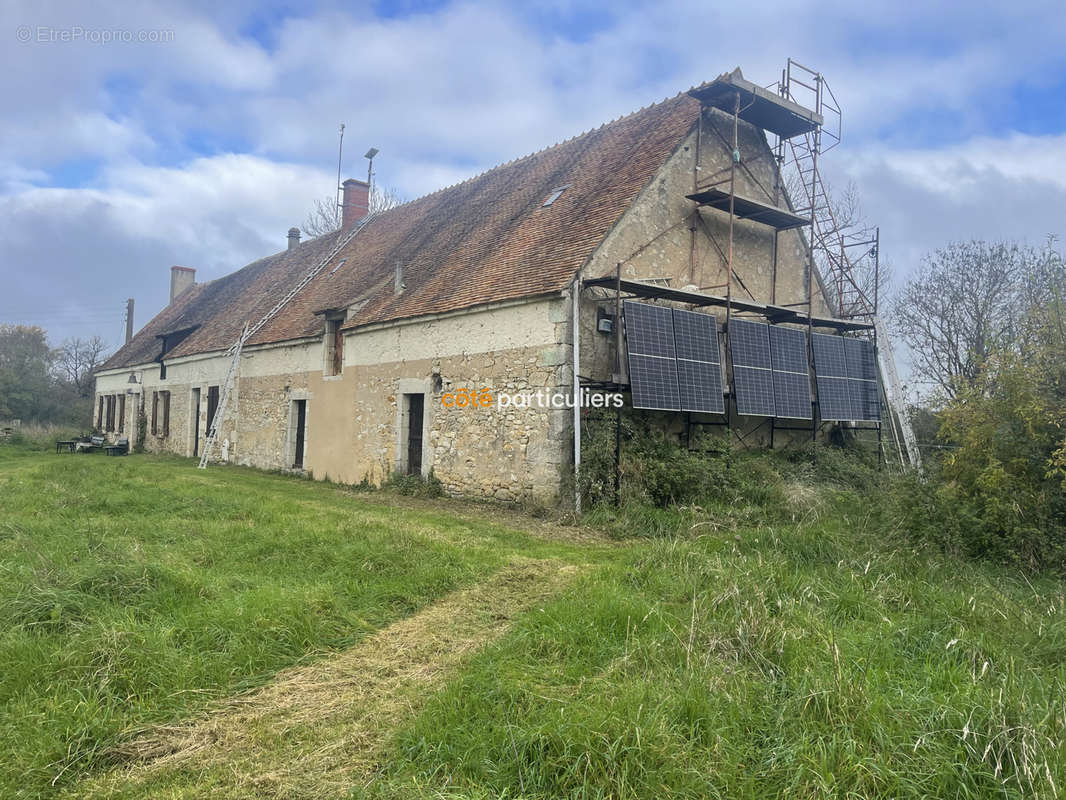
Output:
x,y
674,362
792,382
675,365
753,379
846,373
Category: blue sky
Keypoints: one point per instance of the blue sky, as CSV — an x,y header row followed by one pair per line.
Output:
x,y
204,144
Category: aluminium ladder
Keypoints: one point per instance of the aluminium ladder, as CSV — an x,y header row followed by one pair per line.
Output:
x,y
895,393
235,350
215,424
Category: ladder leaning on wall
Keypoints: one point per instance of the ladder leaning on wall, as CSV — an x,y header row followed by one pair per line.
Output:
x,y
894,393
234,352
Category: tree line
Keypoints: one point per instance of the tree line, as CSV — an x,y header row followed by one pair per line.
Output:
x,y
43,384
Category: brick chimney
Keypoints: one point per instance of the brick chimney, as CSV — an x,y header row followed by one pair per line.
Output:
x,y
294,237
181,278
356,203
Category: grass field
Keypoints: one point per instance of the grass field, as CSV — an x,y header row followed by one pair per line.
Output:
x,y
174,633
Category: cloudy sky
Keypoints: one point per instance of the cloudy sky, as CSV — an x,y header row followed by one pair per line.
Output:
x,y
136,136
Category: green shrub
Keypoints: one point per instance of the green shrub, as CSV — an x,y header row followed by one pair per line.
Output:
x,y
655,469
415,485
1002,477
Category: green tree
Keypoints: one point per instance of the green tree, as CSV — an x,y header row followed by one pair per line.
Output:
x,y
26,363
1008,427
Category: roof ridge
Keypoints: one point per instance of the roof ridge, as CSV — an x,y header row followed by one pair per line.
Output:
x,y
534,153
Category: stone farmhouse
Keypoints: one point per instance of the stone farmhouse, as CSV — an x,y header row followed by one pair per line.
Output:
x,y
471,288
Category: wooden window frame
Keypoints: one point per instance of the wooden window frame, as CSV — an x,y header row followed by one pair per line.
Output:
x,y
334,343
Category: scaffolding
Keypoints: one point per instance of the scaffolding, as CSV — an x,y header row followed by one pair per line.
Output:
x,y
845,254
804,119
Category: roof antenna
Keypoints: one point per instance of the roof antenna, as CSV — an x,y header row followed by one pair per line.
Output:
x,y
373,151
340,151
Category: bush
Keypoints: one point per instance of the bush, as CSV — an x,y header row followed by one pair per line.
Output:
x,y
655,469
415,485
1002,479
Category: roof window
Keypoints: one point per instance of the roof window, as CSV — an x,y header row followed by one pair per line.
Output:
x,y
554,195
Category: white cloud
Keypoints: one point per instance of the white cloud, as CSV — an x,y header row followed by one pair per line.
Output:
x,y
73,254
210,146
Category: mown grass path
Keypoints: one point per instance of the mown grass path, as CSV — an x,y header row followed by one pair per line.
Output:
x,y
318,729
140,590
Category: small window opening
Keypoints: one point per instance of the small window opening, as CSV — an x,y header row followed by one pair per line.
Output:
x,y
554,195
334,346
414,408
161,413
212,406
298,433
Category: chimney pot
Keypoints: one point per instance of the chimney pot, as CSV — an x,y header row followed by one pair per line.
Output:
x,y
181,278
294,237
356,203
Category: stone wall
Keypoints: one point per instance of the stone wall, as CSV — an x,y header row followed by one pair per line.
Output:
x,y
354,420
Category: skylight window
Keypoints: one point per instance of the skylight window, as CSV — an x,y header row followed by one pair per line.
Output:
x,y
339,265
558,190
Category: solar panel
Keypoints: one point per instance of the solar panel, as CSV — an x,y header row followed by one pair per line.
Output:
x,y
649,329
861,365
749,343
699,367
846,370
859,359
700,386
828,355
652,363
792,383
834,398
753,381
831,377
755,391
653,383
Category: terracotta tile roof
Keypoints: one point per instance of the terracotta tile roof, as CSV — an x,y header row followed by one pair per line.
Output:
x,y
484,240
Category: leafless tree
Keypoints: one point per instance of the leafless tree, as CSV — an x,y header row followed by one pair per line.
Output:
x,y
842,221
325,216
76,359
966,301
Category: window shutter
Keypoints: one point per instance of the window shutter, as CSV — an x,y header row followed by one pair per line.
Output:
x,y
166,413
